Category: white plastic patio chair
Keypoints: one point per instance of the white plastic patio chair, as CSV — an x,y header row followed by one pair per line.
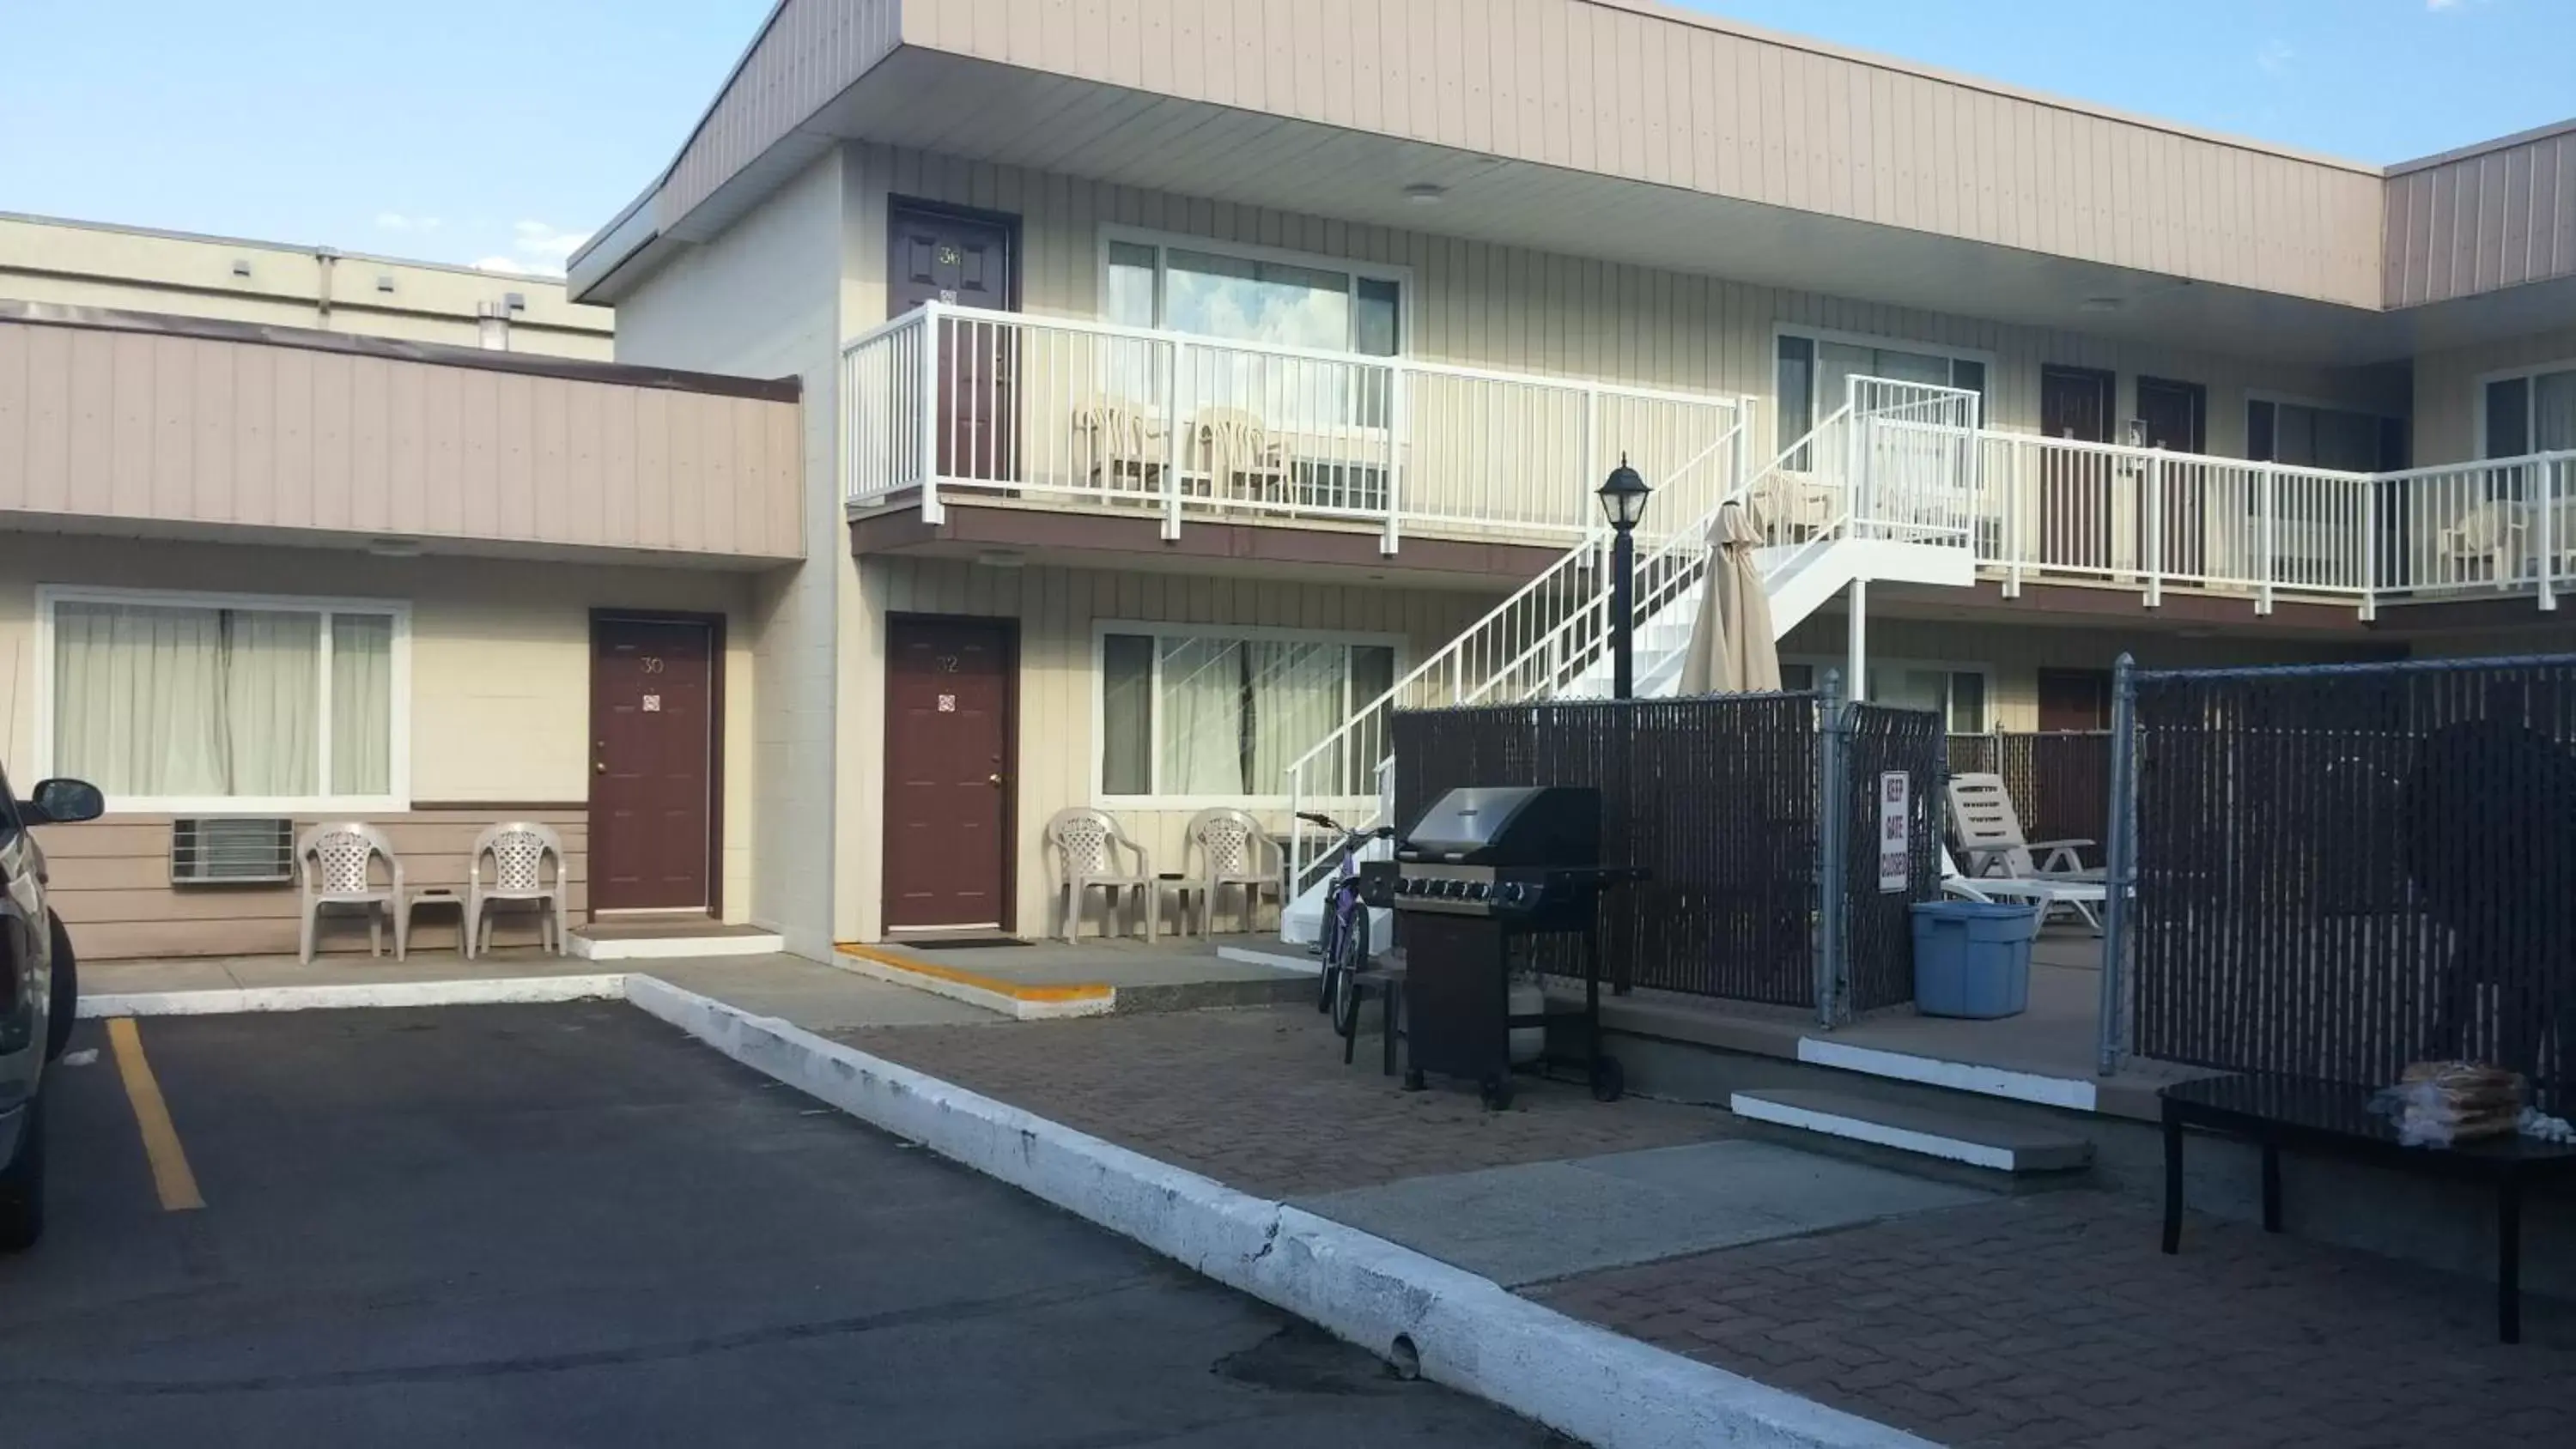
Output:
x,y
518,850
335,867
1087,845
1989,833
1229,848
2082,897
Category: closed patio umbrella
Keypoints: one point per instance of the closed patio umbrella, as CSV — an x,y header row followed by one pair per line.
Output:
x,y
1731,647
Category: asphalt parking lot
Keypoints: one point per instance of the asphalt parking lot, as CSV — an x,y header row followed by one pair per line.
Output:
x,y
558,1225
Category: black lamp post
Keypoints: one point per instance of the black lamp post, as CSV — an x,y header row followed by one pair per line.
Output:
x,y
1623,497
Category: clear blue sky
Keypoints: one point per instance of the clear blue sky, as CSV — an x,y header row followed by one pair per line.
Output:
x,y
471,129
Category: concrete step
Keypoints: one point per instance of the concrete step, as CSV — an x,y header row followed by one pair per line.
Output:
x,y
1979,1142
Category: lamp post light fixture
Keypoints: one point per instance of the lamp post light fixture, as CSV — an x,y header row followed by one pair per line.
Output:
x,y
1623,497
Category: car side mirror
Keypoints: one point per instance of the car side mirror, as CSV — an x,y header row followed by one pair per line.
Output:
x,y
63,802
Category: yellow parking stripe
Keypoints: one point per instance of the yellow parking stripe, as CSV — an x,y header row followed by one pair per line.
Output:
x,y
170,1175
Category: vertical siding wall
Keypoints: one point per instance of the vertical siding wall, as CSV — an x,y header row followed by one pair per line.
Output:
x,y
2474,223
1645,92
2447,390
1512,308
105,423
500,713
1056,610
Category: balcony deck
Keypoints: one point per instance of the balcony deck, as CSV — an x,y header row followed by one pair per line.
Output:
x,y
1171,433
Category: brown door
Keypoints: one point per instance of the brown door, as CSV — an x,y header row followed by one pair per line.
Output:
x,y
964,261
653,763
949,746
2074,699
2075,488
2176,418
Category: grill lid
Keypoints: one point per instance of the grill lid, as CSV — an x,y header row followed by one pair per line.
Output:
x,y
1508,825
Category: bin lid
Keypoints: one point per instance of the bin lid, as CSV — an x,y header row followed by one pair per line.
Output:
x,y
1973,910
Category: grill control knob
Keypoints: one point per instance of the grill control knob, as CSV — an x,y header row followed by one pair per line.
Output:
x,y
1513,893
1477,889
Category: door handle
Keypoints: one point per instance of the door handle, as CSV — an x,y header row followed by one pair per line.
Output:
x,y
599,767
994,780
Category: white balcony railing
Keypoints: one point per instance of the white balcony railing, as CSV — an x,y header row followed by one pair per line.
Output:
x,y
949,402
2150,519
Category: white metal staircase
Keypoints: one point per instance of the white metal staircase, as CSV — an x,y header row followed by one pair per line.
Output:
x,y
1883,488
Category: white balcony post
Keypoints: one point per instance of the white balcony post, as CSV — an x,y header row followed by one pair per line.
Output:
x,y
1172,444
2369,533
1396,435
2267,521
1592,469
2154,543
2016,530
933,512
1747,409
1855,508
2546,492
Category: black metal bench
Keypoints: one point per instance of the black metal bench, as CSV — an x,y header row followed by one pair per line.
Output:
x,y
2277,1111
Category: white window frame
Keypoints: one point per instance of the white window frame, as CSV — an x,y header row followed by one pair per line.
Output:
x,y
1163,241
1992,362
2478,403
1819,663
1101,630
399,747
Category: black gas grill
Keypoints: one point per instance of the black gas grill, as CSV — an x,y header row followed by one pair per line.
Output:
x,y
1481,871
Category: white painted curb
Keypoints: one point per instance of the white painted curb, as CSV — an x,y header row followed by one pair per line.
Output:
x,y
1879,1134
674,948
1282,960
2068,1092
226,1001
973,995
1469,1333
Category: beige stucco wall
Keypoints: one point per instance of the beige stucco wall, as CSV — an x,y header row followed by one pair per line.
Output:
x,y
2447,390
1056,610
500,657
87,265
762,299
1512,308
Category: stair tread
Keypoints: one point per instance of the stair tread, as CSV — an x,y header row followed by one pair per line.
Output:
x,y
2024,1147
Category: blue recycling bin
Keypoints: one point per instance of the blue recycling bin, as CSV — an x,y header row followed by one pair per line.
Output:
x,y
1972,958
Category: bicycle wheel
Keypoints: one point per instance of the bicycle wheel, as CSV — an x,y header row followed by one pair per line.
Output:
x,y
1354,956
1329,947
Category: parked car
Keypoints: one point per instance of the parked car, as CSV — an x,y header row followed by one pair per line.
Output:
x,y
39,989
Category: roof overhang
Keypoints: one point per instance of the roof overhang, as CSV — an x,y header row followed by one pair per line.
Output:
x,y
939,100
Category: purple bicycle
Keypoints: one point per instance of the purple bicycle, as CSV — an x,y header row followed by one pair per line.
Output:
x,y
1344,941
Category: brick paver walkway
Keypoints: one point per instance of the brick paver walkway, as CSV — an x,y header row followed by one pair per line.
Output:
x,y
2046,1321
2052,1320
1260,1099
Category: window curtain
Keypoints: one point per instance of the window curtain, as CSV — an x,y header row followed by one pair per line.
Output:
x,y
362,704
1202,701
160,701
2553,412
1296,699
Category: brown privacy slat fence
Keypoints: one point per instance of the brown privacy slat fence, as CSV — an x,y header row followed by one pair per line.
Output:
x,y
2342,870
2059,781
1878,923
1716,796
1722,798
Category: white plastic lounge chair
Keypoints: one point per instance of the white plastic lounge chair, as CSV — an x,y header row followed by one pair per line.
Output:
x,y
1989,835
2083,897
